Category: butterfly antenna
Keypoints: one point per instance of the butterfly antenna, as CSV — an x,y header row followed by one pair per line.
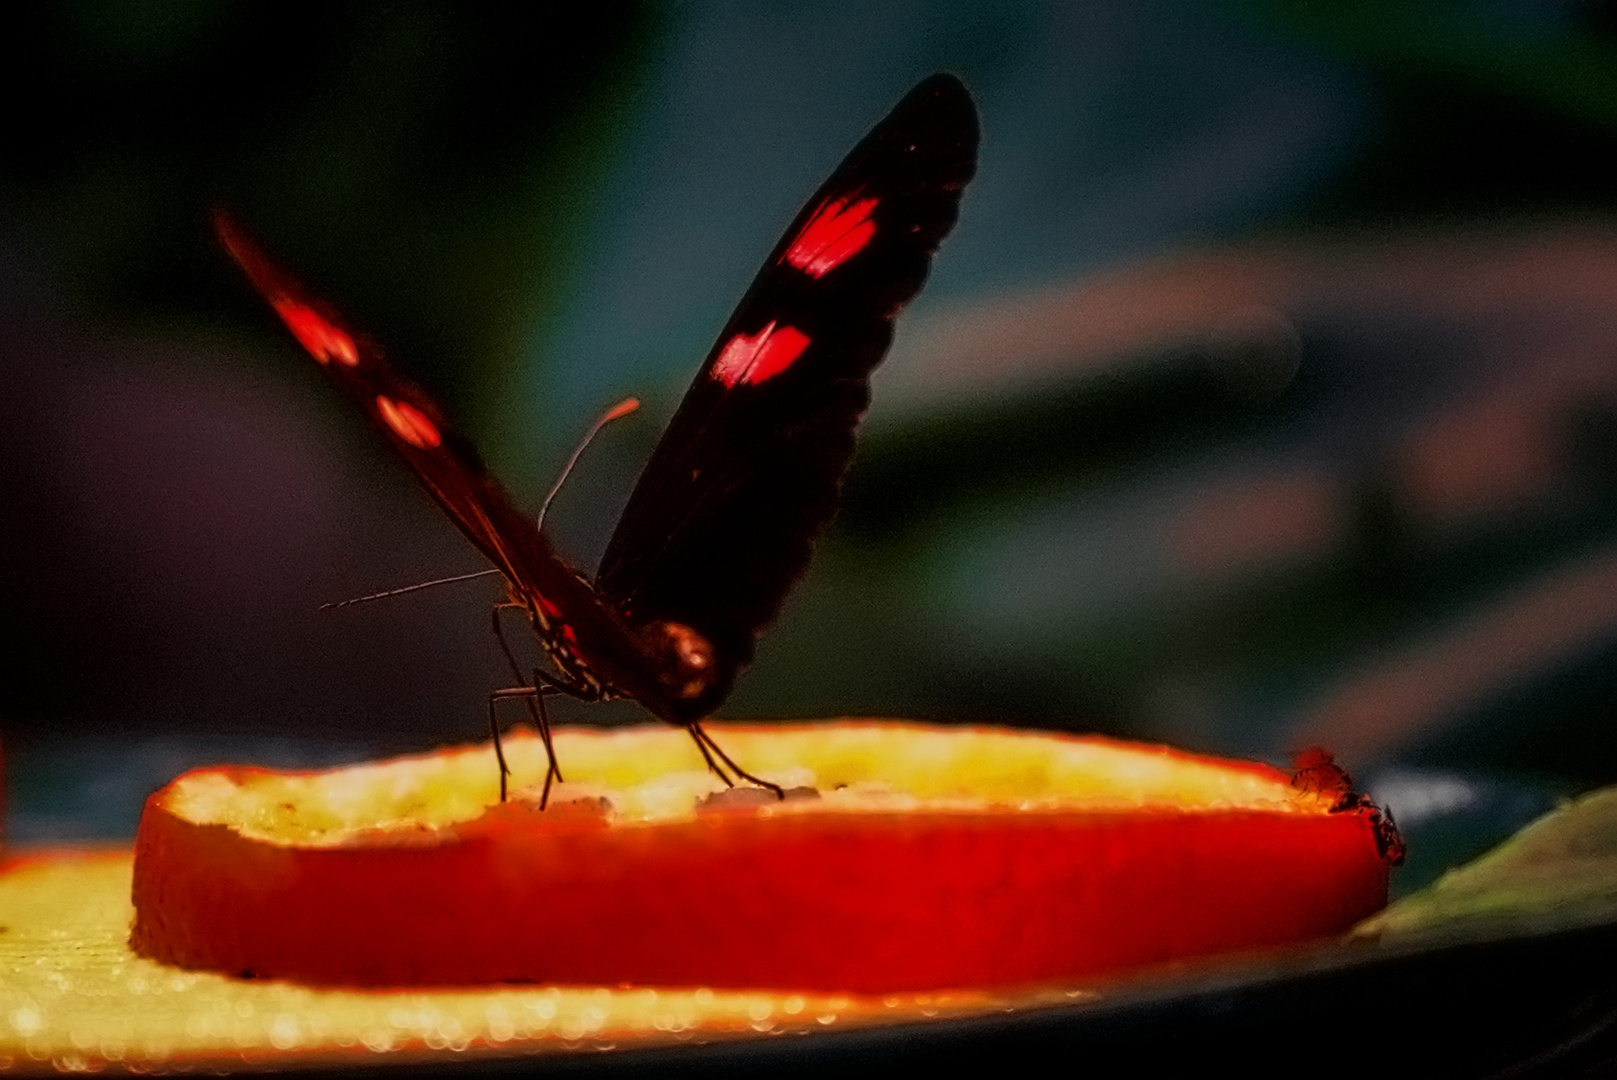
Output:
x,y
409,588
616,412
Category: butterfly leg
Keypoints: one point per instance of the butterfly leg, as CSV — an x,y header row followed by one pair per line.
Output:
x,y
544,685
713,754
499,749
535,697
535,711
534,694
505,646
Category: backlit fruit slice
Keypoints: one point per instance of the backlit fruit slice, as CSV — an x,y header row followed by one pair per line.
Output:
x,y
930,858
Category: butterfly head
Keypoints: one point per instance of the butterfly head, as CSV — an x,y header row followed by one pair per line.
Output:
x,y
688,667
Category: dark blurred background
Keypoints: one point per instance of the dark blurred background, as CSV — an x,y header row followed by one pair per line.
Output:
x,y
1265,396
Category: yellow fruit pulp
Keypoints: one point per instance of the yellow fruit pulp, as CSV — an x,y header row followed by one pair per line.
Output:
x,y
655,775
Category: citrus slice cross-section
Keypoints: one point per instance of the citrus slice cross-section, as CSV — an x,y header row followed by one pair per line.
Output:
x,y
907,858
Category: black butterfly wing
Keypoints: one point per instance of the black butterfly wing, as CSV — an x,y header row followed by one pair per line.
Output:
x,y
724,518
443,461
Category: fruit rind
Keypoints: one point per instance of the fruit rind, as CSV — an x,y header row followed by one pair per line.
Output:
x,y
804,896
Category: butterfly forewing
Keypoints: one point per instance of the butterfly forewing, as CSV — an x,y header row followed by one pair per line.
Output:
x,y
723,520
443,461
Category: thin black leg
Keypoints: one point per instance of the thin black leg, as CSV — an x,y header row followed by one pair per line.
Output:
x,y
534,711
511,657
499,635
705,743
553,771
707,755
499,748
535,697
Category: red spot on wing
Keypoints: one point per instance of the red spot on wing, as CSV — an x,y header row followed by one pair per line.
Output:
x,y
761,356
409,423
551,612
836,233
324,341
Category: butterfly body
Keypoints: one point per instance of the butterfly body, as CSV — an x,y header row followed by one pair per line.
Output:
x,y
723,519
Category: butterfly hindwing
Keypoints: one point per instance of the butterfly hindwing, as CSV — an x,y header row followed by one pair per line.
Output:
x,y
724,518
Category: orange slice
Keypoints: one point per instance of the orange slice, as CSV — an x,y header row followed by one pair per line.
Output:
x,y
914,858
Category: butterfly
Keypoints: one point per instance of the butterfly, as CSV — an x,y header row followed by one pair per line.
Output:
x,y
724,518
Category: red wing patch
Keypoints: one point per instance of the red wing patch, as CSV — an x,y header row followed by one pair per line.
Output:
x,y
551,616
409,423
834,235
324,341
762,356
